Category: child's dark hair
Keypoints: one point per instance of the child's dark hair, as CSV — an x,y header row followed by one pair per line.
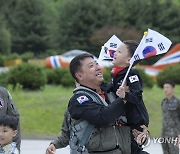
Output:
x,y
132,46
9,121
75,64
170,82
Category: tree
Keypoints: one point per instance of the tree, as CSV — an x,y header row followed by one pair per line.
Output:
x,y
77,21
5,39
30,27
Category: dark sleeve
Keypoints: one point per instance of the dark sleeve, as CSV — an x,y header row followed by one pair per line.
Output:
x,y
94,113
10,109
135,88
63,140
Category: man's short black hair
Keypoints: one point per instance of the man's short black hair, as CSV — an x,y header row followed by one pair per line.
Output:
x,y
9,121
170,82
75,64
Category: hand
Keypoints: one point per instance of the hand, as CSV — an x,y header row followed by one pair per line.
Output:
x,y
51,149
141,137
121,92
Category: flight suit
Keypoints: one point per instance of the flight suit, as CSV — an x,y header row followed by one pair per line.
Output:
x,y
106,136
136,112
7,107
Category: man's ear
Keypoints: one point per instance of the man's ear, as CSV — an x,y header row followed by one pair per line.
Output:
x,y
79,76
15,133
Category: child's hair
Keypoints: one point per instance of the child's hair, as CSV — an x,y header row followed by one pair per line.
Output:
x,y
132,45
9,121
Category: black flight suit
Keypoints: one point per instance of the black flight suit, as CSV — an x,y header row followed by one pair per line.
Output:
x,y
136,111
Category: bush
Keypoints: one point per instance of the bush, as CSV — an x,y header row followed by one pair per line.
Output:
x,y
4,79
170,73
60,76
28,76
147,80
67,80
107,75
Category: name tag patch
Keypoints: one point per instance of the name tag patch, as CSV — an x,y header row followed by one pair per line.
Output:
x,y
82,99
133,78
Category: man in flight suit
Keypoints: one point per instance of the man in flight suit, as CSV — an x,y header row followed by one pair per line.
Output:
x,y
7,107
90,104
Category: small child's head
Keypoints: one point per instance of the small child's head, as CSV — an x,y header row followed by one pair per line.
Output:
x,y
124,53
8,129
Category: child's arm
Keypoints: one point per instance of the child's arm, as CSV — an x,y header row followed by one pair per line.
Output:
x,y
134,82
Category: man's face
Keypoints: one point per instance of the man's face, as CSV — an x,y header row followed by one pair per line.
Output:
x,y
121,56
168,89
90,74
6,135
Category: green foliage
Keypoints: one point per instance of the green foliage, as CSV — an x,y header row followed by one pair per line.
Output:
x,y
75,32
27,55
54,76
48,106
4,79
147,80
170,73
59,76
5,39
27,76
41,111
62,25
66,79
107,75
30,26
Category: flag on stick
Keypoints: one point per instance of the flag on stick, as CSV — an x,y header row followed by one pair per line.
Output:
x,y
109,48
152,44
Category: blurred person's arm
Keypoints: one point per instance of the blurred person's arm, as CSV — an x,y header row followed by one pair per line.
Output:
x,y
62,140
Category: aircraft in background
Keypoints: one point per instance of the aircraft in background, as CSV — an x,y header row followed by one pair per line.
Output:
x,y
64,60
172,57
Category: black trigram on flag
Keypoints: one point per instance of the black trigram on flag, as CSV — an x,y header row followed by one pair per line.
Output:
x,y
161,46
136,57
113,45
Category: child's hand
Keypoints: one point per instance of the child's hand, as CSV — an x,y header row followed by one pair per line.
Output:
x,y
141,137
121,92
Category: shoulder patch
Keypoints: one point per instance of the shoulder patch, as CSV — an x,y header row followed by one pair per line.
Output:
x,y
1,103
82,99
133,78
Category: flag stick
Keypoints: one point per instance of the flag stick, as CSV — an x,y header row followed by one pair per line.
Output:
x,y
126,74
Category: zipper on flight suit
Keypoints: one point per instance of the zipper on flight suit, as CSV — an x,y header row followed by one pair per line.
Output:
x,y
117,142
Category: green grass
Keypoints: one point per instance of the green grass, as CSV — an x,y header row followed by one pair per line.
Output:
x,y
42,111
152,99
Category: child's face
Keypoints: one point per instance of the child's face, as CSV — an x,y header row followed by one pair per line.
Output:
x,y
6,135
121,56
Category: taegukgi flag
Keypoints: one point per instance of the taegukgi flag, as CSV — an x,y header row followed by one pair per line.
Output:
x,y
109,48
152,44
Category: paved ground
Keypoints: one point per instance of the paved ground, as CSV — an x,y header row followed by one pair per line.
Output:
x,y
39,147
